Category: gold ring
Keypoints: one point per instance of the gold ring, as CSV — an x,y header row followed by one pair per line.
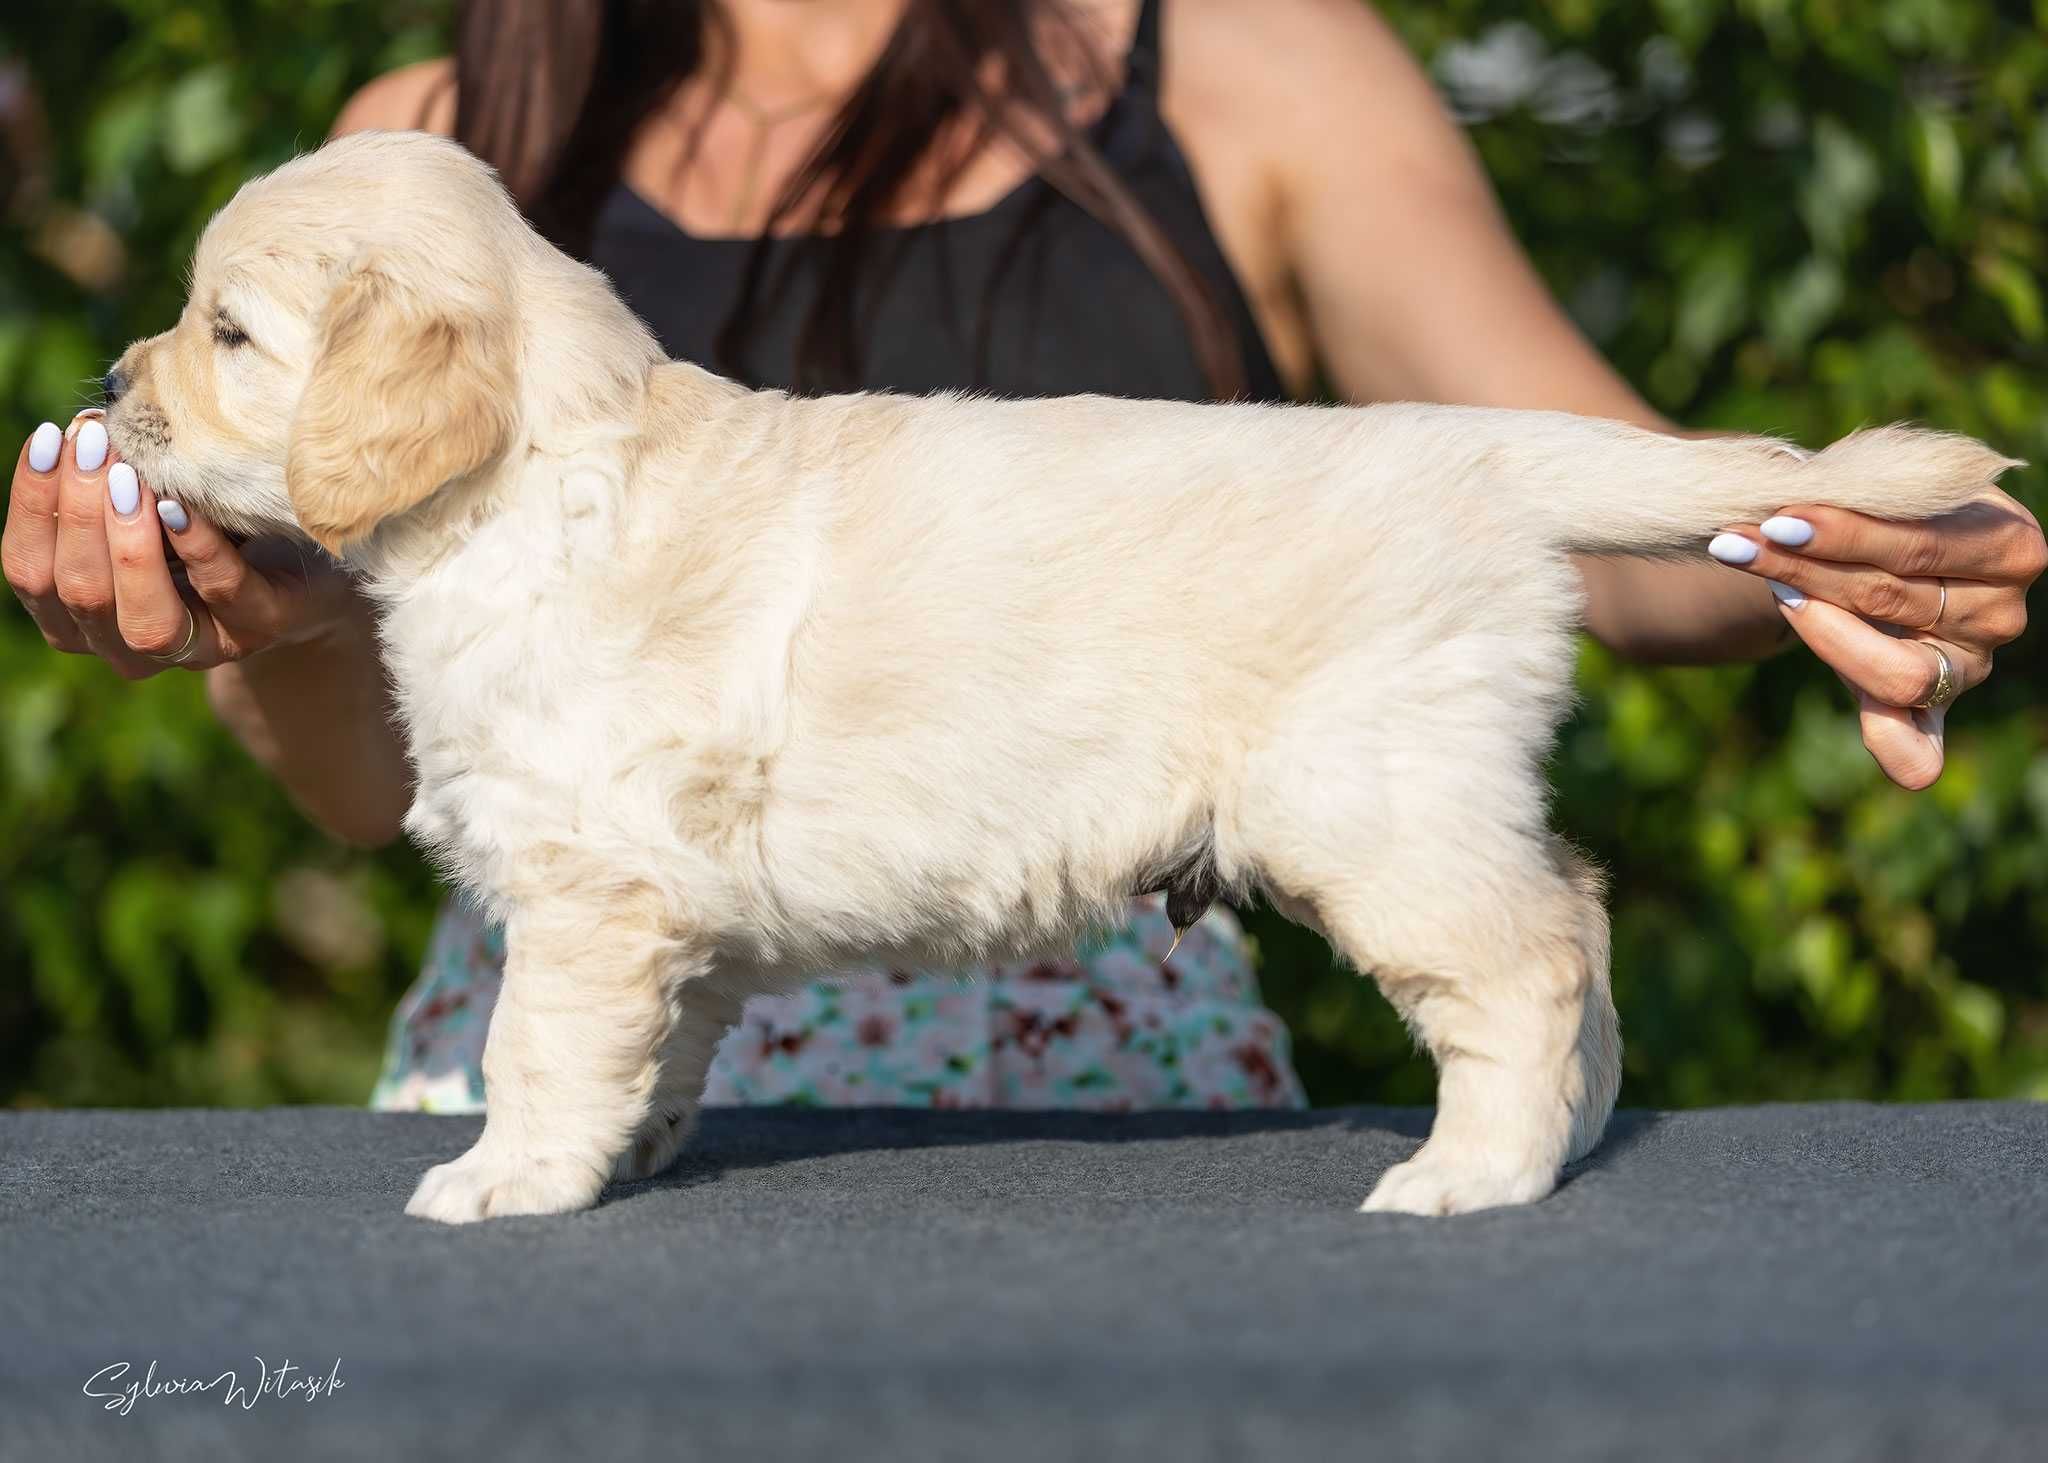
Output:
x,y
1941,608
1944,681
177,657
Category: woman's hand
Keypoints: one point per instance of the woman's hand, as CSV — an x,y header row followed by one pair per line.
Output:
x,y
1876,600
85,551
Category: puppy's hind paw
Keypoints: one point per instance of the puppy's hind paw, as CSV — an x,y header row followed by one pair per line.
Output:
x,y
1451,1182
485,1185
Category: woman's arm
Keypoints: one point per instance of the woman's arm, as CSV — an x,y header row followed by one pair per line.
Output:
x,y
317,712
1415,290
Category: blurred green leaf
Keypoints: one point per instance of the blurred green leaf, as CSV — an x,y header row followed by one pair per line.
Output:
x,y
1803,302
1938,159
201,122
1714,298
1844,182
2017,288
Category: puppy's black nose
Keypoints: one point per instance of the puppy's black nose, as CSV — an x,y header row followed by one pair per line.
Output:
x,y
114,383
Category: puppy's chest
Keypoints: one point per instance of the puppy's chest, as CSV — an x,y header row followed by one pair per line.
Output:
x,y
492,691
547,727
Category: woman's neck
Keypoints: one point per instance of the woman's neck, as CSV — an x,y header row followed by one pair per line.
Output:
x,y
774,73
783,53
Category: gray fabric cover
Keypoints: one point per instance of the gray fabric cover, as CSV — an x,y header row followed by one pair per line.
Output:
x,y
1827,1282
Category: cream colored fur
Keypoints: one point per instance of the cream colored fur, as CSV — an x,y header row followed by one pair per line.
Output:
x,y
710,689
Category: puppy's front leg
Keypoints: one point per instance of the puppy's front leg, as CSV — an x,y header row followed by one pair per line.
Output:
x,y
570,1066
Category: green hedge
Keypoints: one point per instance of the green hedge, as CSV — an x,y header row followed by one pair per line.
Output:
x,y
1771,215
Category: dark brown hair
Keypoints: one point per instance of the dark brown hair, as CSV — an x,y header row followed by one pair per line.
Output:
x,y
551,93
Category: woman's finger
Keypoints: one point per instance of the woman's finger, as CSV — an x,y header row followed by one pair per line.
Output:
x,y
83,574
82,567
247,608
28,544
1876,594
152,617
1993,539
1907,745
1893,670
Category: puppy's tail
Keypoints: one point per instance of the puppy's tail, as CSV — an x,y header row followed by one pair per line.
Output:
x,y
1630,491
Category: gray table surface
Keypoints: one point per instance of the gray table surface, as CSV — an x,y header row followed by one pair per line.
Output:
x,y
1821,1282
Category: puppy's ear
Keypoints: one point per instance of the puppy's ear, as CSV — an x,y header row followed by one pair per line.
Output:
x,y
405,395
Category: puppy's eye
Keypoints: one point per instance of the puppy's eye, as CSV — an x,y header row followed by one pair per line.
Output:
x,y
228,334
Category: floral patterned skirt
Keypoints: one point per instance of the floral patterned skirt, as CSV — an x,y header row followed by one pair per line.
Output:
x,y
1114,1028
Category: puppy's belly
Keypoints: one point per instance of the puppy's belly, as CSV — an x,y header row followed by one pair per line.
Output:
x,y
899,880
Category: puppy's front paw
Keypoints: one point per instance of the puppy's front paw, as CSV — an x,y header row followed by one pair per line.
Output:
x,y
654,1147
1449,1181
486,1184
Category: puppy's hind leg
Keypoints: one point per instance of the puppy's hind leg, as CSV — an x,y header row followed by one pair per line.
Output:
x,y
1599,1050
571,1063
1492,944
1512,1000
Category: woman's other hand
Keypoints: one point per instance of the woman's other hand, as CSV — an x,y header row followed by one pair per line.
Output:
x,y
84,549
1876,600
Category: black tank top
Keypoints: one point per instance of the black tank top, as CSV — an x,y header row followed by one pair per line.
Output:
x,y
1073,308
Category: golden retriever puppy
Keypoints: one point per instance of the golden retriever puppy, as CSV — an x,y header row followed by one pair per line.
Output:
x,y
709,689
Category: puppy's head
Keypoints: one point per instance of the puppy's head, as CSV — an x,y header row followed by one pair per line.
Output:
x,y
349,345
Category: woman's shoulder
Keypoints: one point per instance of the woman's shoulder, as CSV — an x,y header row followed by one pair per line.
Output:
x,y
1289,99
1299,54
419,97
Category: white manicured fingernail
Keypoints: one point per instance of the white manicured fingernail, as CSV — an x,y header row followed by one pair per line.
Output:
x,y
1732,548
80,420
44,446
123,490
1790,533
90,453
1789,597
173,515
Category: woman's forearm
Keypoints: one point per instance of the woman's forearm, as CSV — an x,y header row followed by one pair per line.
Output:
x,y
318,715
1680,614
